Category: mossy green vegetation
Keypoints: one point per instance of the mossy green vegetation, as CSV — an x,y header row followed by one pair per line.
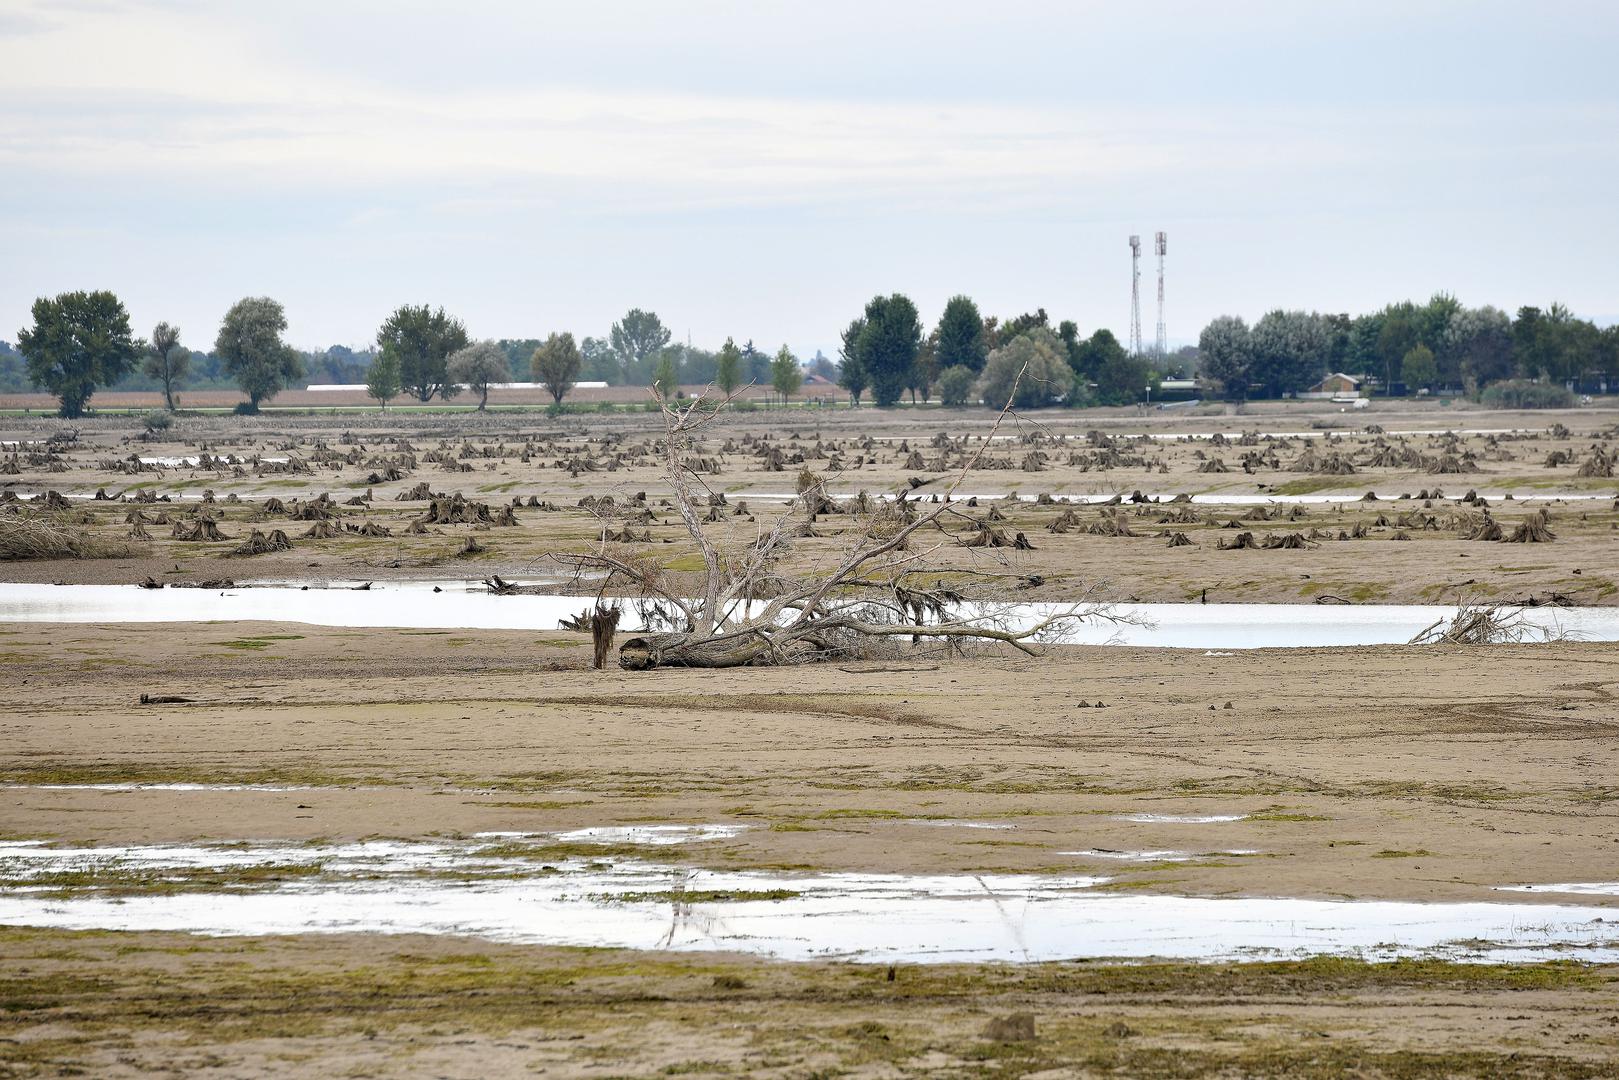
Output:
x,y
140,773
127,881
1283,814
262,642
89,1000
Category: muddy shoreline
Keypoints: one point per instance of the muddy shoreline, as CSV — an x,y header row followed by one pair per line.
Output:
x,y
1475,767
1352,776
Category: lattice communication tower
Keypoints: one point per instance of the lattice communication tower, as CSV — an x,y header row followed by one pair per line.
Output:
x,y
1161,247
1135,296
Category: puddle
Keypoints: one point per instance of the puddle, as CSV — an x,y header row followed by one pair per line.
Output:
x,y
652,835
1157,856
465,605
967,824
1170,436
196,459
1212,498
1180,819
462,604
477,888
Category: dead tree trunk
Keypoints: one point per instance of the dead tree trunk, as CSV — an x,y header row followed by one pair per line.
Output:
x,y
747,611
603,626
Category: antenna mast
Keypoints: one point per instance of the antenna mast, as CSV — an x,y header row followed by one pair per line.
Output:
x,y
1135,296
1161,245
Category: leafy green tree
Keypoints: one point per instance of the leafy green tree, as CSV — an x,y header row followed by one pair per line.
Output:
x,y
852,373
956,385
728,371
961,335
478,365
785,373
1035,363
1068,334
1022,324
1398,334
382,378
422,340
924,369
888,344
1420,368
699,366
79,340
1528,340
1608,354
1125,380
1433,321
666,378
600,362
556,365
636,337
519,352
166,361
249,343
755,364
1338,326
1554,345
339,364
1481,341
1099,352
1227,354
13,370
1290,351
1362,357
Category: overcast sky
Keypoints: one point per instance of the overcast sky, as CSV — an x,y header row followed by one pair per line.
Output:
x,y
760,169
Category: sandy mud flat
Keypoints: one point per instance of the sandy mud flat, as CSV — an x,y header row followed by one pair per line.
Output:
x,y
400,839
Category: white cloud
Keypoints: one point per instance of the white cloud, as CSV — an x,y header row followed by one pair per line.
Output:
x,y
171,94
764,165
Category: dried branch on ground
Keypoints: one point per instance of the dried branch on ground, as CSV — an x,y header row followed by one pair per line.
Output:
x,y
873,602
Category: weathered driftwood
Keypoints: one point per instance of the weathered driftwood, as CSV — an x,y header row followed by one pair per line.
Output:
x,y
1484,624
603,627
746,610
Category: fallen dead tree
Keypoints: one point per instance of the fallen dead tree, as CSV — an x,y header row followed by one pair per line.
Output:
x,y
501,587
1486,624
745,609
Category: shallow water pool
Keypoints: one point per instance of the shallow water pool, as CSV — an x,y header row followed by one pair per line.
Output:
x,y
466,605
484,887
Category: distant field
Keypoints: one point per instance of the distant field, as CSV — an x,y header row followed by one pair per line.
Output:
x,y
212,400
305,399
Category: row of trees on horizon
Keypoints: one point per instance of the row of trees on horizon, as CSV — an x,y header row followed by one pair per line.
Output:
x,y
80,342
1437,346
